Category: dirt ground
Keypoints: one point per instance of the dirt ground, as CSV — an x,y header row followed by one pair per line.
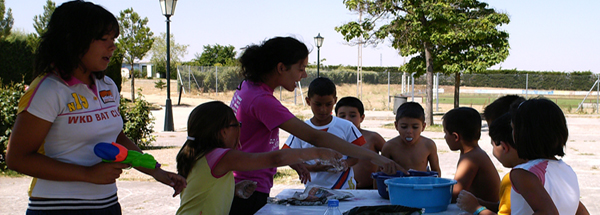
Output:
x,y
140,194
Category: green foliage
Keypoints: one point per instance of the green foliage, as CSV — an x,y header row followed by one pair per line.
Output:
x,y
160,84
138,121
16,61
135,39
159,52
6,21
9,100
41,21
114,68
216,55
439,36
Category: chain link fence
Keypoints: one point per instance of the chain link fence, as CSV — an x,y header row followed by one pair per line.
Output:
x,y
379,90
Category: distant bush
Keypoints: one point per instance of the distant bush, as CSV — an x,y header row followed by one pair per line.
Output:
x,y
138,122
16,61
9,100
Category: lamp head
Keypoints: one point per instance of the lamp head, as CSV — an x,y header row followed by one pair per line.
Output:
x,y
168,7
319,40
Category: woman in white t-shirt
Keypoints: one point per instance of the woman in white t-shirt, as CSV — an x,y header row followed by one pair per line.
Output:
x,y
70,107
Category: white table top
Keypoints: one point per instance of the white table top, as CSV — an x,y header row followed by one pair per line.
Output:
x,y
361,198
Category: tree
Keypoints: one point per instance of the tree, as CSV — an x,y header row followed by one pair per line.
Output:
x,y
159,53
6,22
216,55
135,40
446,36
40,22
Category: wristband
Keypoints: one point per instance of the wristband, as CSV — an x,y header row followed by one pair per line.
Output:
x,y
479,210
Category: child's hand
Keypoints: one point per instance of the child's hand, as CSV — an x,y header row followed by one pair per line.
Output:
x,y
467,201
303,173
245,188
177,182
388,166
105,173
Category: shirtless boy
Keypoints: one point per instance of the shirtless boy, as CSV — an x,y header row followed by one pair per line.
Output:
x,y
352,109
409,149
475,171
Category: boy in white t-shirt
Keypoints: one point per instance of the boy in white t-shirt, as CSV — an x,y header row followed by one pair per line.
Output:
x,y
321,99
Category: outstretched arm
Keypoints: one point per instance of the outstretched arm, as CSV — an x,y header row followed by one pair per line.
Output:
x,y
466,201
177,182
235,160
324,139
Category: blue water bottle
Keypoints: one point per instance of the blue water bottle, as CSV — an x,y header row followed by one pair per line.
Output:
x,y
333,207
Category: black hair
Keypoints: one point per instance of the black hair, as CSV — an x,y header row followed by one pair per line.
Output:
x,y
465,121
350,102
540,129
321,86
501,106
500,130
258,61
204,125
410,110
73,26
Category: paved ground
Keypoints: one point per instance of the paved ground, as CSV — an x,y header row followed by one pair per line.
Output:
x,y
149,197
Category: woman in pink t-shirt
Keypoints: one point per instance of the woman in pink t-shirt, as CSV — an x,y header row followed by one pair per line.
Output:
x,y
280,61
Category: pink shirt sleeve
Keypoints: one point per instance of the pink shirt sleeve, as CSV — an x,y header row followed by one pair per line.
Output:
x,y
213,158
270,111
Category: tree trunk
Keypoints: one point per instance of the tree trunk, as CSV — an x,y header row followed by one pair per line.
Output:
x,y
132,74
456,89
429,104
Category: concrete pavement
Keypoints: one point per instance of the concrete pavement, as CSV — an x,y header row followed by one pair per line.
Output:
x,y
150,197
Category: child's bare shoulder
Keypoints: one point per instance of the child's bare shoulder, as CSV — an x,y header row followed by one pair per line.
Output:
x,y
392,143
477,156
429,143
372,135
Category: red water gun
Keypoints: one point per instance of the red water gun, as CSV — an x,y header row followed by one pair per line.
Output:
x,y
114,152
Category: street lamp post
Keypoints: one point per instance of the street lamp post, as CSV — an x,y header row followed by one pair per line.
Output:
x,y
319,42
168,9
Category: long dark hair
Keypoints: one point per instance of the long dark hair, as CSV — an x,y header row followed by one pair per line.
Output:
x,y
540,129
73,26
204,126
258,61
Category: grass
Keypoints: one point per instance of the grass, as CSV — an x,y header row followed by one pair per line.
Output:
x,y
10,173
286,176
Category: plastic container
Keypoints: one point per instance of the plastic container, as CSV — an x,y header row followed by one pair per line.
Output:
x,y
333,207
433,194
381,177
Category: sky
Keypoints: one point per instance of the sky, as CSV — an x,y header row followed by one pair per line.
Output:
x,y
545,35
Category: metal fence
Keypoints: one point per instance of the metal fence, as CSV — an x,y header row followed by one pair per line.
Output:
x,y
586,88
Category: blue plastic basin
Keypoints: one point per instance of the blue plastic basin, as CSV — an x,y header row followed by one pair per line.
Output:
x,y
433,194
380,177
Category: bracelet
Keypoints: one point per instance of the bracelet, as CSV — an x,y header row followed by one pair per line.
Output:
x,y
479,210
